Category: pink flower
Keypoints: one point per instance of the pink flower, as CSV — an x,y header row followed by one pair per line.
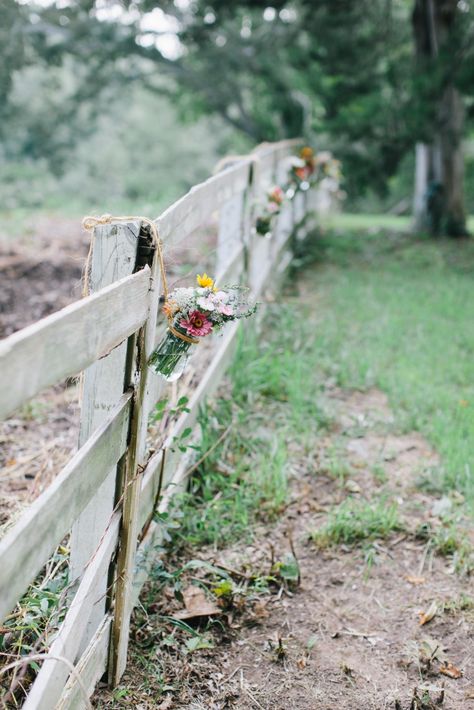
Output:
x,y
220,302
225,309
196,324
221,296
276,195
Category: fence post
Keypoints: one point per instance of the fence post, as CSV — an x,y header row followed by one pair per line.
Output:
x,y
144,396
113,256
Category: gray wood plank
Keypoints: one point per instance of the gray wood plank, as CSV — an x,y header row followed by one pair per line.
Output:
x,y
49,684
66,342
90,668
27,546
114,250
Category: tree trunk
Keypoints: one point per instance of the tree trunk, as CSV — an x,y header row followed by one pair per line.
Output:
x,y
451,127
439,172
422,171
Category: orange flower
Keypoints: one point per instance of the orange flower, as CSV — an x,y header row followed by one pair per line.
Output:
x,y
169,308
301,173
307,153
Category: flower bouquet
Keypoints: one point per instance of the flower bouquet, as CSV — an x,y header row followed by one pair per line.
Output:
x,y
263,225
194,313
327,165
302,170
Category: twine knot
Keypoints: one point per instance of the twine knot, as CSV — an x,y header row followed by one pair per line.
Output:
x,y
89,223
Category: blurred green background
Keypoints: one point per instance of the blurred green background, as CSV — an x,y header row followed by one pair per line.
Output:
x,y
106,104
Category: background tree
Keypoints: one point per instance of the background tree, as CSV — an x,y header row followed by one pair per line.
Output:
x,y
341,72
441,38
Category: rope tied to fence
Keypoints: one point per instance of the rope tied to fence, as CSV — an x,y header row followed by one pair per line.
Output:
x,y
90,223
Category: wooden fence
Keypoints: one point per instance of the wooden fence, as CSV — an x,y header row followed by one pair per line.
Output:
x,y
107,493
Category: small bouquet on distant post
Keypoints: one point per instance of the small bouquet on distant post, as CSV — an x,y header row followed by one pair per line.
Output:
x,y
302,170
194,313
275,197
328,166
310,169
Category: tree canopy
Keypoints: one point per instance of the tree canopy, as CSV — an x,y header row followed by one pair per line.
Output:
x,y
344,73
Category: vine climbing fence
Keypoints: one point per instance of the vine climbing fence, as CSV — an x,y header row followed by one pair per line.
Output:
x,y
107,495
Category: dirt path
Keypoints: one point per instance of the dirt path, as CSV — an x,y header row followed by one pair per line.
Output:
x,y
349,635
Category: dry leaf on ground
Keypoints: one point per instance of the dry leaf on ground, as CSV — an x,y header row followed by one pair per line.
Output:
x,y
430,613
260,610
450,670
196,604
413,579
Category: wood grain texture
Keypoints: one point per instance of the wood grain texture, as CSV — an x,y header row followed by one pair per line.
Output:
x,y
51,680
230,235
140,378
90,668
27,546
66,342
129,531
231,270
113,257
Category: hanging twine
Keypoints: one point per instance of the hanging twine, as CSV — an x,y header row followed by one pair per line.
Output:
x,y
89,223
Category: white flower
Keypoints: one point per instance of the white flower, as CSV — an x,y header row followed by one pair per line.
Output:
x,y
183,297
297,162
206,302
221,296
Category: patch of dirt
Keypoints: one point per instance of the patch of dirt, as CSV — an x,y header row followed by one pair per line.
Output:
x,y
364,409
349,636
41,273
34,445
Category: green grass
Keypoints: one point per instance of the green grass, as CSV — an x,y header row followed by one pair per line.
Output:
x,y
368,221
397,312
376,221
452,541
353,521
377,309
272,409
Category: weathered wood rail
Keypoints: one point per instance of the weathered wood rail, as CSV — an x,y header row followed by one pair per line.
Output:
x,y
107,493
